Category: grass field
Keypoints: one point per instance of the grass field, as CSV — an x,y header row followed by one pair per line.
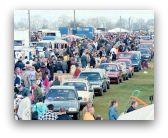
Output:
x,y
122,92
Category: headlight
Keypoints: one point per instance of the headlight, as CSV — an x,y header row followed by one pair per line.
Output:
x,y
72,109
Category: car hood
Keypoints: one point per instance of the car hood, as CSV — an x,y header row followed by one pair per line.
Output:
x,y
113,73
95,82
135,62
83,94
65,104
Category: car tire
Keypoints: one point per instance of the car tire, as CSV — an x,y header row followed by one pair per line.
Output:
x,y
76,116
130,75
127,78
108,86
137,70
105,90
118,81
121,80
101,92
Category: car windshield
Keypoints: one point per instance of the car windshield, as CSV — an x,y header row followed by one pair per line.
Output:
x,y
91,76
127,63
80,86
18,43
61,94
109,67
135,57
124,55
144,52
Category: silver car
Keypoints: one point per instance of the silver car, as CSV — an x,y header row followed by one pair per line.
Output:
x,y
64,96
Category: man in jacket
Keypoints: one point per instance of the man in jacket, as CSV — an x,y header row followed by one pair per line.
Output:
x,y
84,60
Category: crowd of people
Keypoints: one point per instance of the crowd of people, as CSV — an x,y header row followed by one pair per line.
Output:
x,y
34,75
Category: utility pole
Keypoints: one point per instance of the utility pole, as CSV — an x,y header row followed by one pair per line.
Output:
x,y
120,24
74,20
29,27
129,21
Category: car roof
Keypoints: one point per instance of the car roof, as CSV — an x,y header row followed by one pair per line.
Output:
x,y
94,70
76,80
62,87
124,59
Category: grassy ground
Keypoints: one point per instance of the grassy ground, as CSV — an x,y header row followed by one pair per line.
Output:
x,y
122,92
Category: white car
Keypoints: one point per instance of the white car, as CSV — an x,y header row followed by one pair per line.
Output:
x,y
83,88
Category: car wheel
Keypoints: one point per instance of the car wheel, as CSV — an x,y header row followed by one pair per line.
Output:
x,y
118,81
101,92
108,86
121,80
137,70
130,75
76,116
127,78
105,89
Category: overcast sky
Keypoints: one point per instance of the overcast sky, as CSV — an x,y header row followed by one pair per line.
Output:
x,y
84,14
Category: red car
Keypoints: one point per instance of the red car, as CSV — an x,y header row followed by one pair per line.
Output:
x,y
114,72
129,66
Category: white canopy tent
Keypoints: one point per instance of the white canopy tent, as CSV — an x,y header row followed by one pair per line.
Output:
x,y
116,30
145,113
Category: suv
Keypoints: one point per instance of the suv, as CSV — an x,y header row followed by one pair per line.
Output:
x,y
145,54
83,88
97,78
64,96
114,71
136,60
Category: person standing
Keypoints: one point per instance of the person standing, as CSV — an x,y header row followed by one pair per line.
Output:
x,y
40,108
133,106
37,92
24,91
63,115
84,60
24,110
92,61
49,115
77,71
112,111
88,112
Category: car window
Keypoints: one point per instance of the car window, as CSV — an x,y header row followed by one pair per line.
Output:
x,y
90,76
80,86
109,67
61,94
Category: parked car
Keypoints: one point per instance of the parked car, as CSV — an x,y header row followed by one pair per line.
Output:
x,y
128,65
64,96
149,46
114,72
97,78
83,88
145,54
136,60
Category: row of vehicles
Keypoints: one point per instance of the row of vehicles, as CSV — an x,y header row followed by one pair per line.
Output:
x,y
76,93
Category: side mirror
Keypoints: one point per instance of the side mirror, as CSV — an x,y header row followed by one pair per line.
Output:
x,y
79,98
